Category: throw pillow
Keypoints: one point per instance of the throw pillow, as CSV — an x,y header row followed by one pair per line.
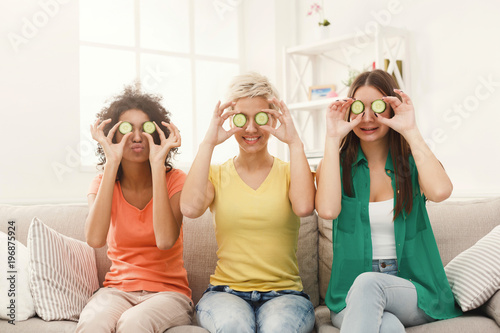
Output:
x,y
16,303
474,274
63,273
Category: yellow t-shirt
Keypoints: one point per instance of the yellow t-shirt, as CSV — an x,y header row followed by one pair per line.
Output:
x,y
256,231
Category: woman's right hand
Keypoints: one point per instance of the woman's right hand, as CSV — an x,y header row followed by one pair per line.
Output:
x,y
216,134
113,151
336,124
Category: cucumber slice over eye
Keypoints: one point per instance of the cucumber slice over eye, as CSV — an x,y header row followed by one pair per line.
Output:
x,y
149,127
125,127
378,106
261,118
239,120
357,107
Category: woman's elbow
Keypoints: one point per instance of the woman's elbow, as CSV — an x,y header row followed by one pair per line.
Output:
x,y
96,244
189,211
441,194
165,245
327,212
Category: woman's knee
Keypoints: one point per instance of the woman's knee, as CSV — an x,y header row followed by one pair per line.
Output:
x,y
287,313
224,312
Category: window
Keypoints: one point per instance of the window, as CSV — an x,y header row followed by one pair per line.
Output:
x,y
184,50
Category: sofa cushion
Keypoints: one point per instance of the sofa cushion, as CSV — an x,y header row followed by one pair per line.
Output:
x,y
67,219
469,220
325,255
63,273
16,301
474,274
492,307
200,254
472,322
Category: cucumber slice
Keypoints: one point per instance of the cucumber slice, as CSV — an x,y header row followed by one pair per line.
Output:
x,y
149,127
378,106
261,118
125,127
239,120
357,107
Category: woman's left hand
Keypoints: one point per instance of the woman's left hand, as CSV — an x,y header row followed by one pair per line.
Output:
x,y
403,120
286,132
158,153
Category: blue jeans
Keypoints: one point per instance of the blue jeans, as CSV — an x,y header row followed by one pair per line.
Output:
x,y
222,309
380,302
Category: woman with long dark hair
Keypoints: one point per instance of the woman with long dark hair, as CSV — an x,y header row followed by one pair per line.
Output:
x,y
373,182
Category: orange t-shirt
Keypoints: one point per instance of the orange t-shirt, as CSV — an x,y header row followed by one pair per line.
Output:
x,y
136,262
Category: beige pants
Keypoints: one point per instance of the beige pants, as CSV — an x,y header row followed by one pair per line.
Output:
x,y
113,310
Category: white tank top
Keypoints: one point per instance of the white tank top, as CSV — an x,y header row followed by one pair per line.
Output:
x,y
382,228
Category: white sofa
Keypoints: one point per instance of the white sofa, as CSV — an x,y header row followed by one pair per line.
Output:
x,y
457,226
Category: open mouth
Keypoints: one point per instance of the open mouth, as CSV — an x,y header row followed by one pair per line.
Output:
x,y
369,129
251,140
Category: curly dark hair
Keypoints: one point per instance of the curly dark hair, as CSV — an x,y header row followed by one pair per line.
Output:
x,y
133,98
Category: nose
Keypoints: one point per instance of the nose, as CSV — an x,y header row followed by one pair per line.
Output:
x,y
369,114
251,126
137,135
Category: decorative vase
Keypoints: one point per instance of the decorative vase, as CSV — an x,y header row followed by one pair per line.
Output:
x,y
322,32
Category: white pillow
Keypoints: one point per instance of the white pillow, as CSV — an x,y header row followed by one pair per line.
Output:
x,y
63,273
474,274
16,302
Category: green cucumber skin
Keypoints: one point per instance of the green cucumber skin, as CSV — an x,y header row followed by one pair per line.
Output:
x,y
147,124
123,125
235,120
353,106
379,110
261,124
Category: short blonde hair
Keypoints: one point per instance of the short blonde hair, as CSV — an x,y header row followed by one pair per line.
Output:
x,y
251,84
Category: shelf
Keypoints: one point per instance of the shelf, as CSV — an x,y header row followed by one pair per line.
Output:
x,y
328,62
322,46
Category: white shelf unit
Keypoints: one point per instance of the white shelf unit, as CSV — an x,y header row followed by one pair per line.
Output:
x,y
328,62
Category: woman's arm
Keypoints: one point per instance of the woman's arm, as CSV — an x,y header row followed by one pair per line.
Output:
x,y
302,190
99,217
198,192
167,217
329,193
433,180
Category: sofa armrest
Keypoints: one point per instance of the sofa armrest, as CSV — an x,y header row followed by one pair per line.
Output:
x,y
492,307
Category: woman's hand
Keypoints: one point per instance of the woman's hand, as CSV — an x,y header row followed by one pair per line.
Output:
x,y
158,153
216,134
112,151
403,121
336,125
286,131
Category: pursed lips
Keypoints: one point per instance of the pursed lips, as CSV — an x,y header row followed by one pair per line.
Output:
x,y
137,147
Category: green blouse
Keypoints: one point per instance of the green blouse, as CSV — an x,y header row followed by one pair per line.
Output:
x,y
417,253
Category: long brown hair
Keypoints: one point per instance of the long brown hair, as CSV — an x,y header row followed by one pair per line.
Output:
x,y
398,147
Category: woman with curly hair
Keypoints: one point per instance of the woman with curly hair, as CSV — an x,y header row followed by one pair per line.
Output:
x,y
134,209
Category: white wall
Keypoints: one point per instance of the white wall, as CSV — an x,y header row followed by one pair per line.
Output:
x,y
455,69
455,48
40,102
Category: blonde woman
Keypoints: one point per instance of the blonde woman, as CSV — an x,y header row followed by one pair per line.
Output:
x,y
256,200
